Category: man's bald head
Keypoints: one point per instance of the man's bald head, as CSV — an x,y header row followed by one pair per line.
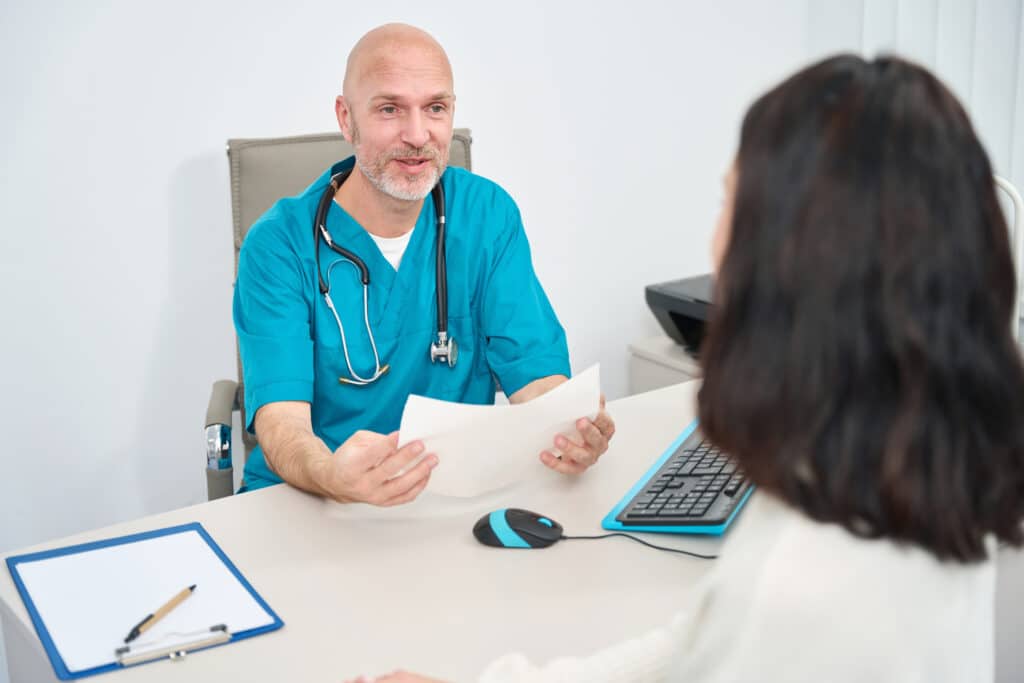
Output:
x,y
397,110
393,47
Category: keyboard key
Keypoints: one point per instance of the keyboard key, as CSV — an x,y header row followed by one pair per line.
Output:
x,y
647,514
734,485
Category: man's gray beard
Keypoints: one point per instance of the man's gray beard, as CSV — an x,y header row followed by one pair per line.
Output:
x,y
380,179
396,188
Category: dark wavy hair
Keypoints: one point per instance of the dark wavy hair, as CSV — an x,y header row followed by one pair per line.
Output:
x,y
859,362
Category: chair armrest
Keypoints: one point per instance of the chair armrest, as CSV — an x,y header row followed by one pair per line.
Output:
x,y
219,470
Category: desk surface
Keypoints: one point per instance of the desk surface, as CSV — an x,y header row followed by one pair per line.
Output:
x,y
367,591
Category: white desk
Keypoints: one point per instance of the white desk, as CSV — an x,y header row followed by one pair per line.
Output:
x,y
368,596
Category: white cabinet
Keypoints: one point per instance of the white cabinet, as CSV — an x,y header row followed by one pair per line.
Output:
x,y
659,362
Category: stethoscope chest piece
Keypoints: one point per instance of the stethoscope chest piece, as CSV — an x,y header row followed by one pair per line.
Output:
x,y
444,349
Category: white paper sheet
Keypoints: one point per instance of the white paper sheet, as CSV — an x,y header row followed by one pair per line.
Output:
x,y
90,600
483,448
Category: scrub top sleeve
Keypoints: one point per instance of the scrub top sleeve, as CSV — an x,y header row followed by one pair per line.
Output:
x,y
524,340
272,321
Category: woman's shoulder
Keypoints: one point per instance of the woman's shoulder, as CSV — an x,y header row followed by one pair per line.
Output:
x,y
793,594
803,556
801,571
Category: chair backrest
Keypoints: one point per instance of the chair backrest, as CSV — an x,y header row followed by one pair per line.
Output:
x,y
1009,609
1010,565
1017,245
264,170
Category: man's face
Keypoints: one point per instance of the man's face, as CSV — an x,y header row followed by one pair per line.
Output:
x,y
398,117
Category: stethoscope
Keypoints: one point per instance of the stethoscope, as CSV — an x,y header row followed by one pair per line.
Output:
x,y
444,348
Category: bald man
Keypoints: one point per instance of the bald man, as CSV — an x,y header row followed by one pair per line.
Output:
x,y
335,334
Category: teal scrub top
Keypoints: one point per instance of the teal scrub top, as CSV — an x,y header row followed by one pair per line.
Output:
x,y
290,344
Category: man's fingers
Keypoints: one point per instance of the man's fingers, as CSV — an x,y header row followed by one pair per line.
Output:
x,y
605,424
412,493
398,461
565,466
576,452
579,455
401,485
593,436
369,449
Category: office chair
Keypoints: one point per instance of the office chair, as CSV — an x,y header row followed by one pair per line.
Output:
x,y
1017,246
1009,603
264,170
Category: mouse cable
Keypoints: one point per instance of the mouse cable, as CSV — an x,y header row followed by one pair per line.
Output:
x,y
640,540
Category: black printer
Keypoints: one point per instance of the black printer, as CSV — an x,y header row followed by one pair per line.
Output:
x,y
682,308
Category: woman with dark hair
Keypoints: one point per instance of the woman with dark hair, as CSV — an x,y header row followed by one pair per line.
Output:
x,y
860,368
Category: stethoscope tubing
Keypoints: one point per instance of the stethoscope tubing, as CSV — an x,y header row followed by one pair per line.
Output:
x,y
377,370
440,273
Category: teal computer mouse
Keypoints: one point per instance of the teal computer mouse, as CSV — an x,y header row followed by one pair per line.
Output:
x,y
515,528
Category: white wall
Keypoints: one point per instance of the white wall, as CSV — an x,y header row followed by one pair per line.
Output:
x,y
610,123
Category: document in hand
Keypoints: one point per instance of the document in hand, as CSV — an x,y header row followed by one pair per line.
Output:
x,y
483,448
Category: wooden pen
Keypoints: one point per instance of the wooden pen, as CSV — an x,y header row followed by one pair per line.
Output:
x,y
156,616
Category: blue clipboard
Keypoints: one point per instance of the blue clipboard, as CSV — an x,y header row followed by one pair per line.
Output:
x,y
612,524
59,666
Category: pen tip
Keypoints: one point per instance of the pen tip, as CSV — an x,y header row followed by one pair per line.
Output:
x,y
192,587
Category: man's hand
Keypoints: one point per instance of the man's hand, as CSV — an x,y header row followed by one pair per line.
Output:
x,y
580,453
396,677
364,469
370,468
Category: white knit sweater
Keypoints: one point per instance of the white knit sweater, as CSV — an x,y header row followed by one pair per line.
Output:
x,y
791,599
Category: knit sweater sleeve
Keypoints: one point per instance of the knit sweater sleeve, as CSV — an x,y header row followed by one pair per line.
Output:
x,y
645,659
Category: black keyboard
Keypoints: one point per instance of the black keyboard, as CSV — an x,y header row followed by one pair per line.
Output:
x,y
697,485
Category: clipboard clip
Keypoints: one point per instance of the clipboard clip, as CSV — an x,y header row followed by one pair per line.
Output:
x,y
174,646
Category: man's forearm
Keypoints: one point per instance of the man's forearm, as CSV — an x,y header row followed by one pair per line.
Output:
x,y
537,388
291,449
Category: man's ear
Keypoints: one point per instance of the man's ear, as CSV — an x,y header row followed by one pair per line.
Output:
x,y
344,116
